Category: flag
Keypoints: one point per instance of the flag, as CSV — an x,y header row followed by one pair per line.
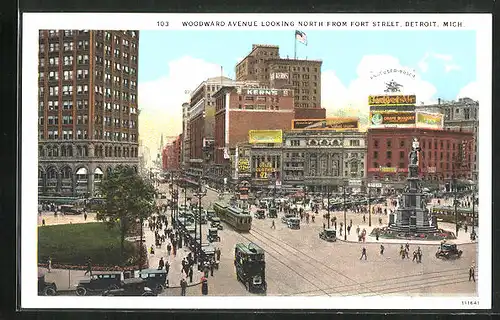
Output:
x,y
301,36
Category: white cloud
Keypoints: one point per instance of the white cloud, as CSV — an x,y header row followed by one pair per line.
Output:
x,y
447,59
160,100
451,67
353,98
471,90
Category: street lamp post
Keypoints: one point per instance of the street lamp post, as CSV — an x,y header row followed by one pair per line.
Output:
x,y
369,207
328,207
473,209
198,251
345,212
455,203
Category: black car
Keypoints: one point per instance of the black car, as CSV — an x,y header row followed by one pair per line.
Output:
x,y
131,287
328,235
155,279
260,214
46,288
99,282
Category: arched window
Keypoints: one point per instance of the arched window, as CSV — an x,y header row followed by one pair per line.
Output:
x,y
52,173
66,173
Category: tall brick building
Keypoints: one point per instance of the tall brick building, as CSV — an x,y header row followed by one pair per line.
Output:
x,y
264,64
88,112
445,154
172,154
240,109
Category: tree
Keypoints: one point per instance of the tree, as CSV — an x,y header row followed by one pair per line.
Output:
x,y
128,197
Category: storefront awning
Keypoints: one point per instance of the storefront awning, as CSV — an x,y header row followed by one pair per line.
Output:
x,y
82,171
98,171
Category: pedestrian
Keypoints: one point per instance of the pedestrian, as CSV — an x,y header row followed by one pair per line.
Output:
x,y
167,266
349,229
85,216
363,253
151,250
415,256
380,220
204,286
43,222
465,228
382,249
169,248
324,226
217,252
335,224
212,269
183,286
205,271
190,274
407,246
364,218
358,230
419,255
273,225
161,264
472,272
89,267
350,222
376,235
49,264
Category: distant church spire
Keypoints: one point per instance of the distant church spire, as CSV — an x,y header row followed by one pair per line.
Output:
x,y
161,142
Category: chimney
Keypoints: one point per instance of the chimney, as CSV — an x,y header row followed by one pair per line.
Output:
x,y
439,100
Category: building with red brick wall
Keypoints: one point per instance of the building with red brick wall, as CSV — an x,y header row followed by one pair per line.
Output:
x,y
172,155
240,109
444,154
310,113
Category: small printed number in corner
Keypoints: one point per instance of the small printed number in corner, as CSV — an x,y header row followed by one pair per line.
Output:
x,y
162,23
470,303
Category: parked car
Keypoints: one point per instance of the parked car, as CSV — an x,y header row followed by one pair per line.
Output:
x,y
99,283
212,235
45,288
70,210
215,223
448,251
328,235
155,279
131,287
293,223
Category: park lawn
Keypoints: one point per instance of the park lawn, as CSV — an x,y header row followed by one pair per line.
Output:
x,y
72,244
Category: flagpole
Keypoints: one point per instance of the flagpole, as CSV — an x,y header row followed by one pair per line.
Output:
x,y
295,46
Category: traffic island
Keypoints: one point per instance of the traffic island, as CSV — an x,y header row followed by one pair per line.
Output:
x,y
387,233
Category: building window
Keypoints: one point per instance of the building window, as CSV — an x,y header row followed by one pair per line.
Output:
x,y
389,154
389,143
375,154
375,143
375,165
354,143
401,165
402,143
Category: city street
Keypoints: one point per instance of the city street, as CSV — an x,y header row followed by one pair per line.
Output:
x,y
298,262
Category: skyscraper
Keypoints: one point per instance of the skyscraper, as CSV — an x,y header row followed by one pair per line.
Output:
x,y
88,112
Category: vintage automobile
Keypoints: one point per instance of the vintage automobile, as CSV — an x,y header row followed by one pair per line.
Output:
x,y
203,217
287,216
215,223
293,223
448,251
212,235
45,288
99,282
260,214
328,235
210,214
272,213
155,279
208,256
70,210
131,287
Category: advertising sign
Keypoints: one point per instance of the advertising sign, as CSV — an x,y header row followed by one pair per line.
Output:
x,y
265,136
392,119
279,76
388,169
264,169
387,100
429,120
338,124
262,92
243,165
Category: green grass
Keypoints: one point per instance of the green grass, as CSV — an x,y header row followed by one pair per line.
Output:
x,y
72,244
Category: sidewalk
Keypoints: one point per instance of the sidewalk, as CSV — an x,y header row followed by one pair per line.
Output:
x,y
175,273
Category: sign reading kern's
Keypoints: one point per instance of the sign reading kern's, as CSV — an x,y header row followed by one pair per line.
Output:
x,y
262,92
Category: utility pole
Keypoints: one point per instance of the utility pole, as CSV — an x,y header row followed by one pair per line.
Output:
x,y
198,250
142,244
345,212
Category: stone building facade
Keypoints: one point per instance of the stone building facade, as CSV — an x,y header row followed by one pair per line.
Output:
x,y
322,159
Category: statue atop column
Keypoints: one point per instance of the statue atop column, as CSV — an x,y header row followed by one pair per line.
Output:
x,y
413,159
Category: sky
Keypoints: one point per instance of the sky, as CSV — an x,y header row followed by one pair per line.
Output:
x,y
173,62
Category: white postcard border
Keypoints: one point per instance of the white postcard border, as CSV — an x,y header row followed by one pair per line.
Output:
x,y
32,22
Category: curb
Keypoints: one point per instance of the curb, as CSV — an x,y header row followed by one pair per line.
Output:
x,y
400,241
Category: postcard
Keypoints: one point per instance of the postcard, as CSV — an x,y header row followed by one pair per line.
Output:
x,y
256,161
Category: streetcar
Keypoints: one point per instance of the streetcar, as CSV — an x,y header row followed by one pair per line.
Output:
x,y
239,219
250,266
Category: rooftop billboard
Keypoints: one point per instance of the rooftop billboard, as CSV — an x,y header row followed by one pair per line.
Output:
x,y
265,136
338,124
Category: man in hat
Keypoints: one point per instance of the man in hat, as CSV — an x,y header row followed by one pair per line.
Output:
x,y
472,272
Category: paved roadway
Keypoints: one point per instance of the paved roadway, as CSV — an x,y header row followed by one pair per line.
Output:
x,y
299,263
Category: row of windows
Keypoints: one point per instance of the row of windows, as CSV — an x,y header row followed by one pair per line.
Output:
x,y
53,134
261,98
115,94
83,151
117,66
67,75
53,105
423,144
257,107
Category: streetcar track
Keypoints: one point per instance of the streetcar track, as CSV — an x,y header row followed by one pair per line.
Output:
x,y
322,264
283,263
